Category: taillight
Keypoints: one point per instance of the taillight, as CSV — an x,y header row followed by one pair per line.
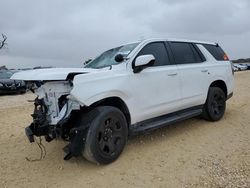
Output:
x,y
225,57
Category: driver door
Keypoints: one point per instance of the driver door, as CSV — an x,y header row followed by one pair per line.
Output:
x,y
156,88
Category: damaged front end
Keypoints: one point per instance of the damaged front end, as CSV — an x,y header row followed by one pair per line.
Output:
x,y
55,116
40,124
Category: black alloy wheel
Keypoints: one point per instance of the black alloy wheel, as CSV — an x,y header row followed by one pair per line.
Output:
x,y
110,136
106,136
215,105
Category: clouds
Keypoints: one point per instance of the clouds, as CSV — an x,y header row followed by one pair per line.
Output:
x,y
205,17
64,33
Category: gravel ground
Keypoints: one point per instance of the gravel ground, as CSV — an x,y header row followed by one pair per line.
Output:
x,y
193,153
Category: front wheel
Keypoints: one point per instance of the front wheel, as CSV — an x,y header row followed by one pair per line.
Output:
x,y
215,105
106,136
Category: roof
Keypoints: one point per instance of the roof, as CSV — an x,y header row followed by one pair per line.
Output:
x,y
177,40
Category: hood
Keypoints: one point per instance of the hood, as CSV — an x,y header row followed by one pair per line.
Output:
x,y
49,74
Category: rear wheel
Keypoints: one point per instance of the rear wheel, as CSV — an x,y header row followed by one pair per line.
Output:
x,y
215,105
106,136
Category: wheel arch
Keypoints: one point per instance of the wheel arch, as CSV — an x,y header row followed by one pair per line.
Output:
x,y
116,102
220,84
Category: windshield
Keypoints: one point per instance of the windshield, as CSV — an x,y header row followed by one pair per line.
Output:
x,y
6,75
108,58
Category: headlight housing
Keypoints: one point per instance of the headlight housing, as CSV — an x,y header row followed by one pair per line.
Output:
x,y
1,85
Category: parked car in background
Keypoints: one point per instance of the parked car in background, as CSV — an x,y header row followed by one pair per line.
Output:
x,y
10,86
241,67
248,66
235,68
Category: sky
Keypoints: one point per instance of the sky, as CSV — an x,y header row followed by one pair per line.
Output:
x,y
65,33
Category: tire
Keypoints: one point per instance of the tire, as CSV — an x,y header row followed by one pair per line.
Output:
x,y
215,105
106,136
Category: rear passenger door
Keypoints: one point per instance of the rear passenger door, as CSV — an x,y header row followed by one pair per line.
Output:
x,y
193,73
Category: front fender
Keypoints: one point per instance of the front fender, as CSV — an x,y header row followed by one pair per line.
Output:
x,y
91,88
87,100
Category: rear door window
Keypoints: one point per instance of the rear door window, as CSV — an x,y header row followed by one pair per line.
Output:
x,y
184,53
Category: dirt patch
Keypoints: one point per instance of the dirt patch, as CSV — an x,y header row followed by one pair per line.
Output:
x,y
193,153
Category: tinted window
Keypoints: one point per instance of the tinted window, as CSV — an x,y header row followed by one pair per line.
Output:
x,y
216,51
184,53
158,50
197,53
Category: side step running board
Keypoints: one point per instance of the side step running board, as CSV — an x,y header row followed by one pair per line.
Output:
x,y
162,121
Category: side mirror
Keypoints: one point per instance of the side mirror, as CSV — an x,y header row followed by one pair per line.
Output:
x,y
119,58
142,62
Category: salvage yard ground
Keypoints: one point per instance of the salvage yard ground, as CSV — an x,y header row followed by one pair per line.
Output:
x,y
193,153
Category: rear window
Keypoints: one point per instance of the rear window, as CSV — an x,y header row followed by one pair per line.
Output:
x,y
217,52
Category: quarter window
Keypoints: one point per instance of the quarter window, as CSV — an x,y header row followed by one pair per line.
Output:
x,y
158,50
216,52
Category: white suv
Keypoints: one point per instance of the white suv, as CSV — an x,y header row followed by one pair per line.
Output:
x,y
128,90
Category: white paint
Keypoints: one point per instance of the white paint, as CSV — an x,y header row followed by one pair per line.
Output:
x,y
152,92
47,74
143,60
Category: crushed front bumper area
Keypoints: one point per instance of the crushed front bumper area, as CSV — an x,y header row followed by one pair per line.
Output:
x,y
33,130
76,139
29,133
41,127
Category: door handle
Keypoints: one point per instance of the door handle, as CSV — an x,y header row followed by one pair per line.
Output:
x,y
173,74
204,70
